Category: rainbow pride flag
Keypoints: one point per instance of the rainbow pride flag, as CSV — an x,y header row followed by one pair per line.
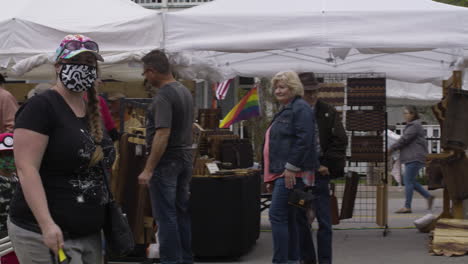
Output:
x,y
247,107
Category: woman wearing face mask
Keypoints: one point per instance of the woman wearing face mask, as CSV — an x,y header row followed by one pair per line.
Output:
x,y
61,152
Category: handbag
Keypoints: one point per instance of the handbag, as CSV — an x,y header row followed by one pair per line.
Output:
x,y
117,232
301,198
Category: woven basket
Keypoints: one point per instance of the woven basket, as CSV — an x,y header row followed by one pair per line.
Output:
x,y
367,149
365,120
366,91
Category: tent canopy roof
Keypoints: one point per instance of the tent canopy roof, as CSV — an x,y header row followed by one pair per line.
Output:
x,y
247,26
31,30
313,6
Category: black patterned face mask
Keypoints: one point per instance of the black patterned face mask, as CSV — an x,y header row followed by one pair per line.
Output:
x,y
78,77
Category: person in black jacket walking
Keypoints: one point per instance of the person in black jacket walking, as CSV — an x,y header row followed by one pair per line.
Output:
x,y
332,141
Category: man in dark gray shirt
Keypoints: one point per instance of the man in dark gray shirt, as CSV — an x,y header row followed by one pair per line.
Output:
x,y
168,169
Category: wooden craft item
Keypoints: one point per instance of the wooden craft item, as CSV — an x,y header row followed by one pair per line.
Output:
x,y
367,149
365,120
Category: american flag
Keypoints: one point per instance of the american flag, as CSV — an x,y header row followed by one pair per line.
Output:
x,y
222,89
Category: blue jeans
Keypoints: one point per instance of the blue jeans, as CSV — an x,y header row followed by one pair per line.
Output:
x,y
169,190
409,179
324,233
284,224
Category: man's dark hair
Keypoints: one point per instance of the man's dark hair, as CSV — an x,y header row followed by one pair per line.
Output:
x,y
157,60
2,79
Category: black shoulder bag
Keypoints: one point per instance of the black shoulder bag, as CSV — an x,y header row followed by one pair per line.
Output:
x,y
117,232
301,198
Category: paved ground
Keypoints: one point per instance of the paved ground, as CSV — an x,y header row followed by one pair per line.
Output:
x,y
361,241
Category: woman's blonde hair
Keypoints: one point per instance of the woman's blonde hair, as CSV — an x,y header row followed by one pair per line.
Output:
x,y
291,79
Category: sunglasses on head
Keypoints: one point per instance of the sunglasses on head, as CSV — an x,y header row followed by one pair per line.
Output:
x,y
76,45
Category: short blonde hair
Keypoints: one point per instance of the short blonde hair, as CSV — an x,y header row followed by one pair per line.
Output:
x,y
291,79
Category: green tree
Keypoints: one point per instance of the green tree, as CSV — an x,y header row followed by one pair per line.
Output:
x,y
454,2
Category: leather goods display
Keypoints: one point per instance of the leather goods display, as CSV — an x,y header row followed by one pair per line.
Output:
x,y
335,219
332,93
365,120
366,91
455,127
214,143
225,215
349,195
204,147
367,149
454,170
209,118
237,152
133,197
117,232
301,198
200,166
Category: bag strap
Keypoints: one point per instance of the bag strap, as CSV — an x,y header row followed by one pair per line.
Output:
x,y
106,181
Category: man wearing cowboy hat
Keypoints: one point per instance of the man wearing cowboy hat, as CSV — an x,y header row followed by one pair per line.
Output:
x,y
333,141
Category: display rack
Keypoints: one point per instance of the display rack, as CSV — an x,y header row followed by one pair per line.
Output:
x,y
363,110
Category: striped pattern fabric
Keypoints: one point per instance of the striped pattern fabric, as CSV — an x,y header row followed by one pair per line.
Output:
x,y
367,149
366,92
248,107
332,93
365,120
222,88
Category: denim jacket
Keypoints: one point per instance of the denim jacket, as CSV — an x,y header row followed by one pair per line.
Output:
x,y
292,138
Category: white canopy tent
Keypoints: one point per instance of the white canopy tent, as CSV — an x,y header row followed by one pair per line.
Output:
x,y
418,41
31,30
259,25
225,38
242,36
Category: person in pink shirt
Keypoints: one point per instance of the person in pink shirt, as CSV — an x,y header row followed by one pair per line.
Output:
x,y
8,108
290,160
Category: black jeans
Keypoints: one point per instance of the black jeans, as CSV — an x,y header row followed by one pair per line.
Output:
x,y
324,234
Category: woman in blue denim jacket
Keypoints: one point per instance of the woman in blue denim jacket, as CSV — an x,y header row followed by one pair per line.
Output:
x,y
290,158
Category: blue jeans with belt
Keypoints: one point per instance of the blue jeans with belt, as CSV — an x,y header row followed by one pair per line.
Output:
x,y
284,224
409,179
169,190
324,233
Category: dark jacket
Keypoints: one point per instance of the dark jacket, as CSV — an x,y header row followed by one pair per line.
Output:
x,y
333,138
292,138
412,144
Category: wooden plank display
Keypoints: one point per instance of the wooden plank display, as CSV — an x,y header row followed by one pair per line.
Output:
x,y
450,237
349,195
365,120
367,148
456,123
366,92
